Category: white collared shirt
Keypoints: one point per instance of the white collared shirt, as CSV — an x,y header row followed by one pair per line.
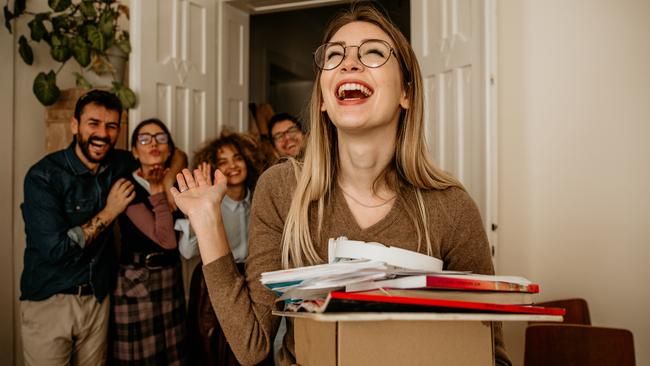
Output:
x,y
235,216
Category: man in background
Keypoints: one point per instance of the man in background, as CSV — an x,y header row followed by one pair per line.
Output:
x,y
71,198
285,132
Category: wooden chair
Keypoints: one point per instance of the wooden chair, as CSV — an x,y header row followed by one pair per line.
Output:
x,y
577,310
577,345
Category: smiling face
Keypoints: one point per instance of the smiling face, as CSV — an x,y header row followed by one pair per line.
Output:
x,y
96,132
287,138
153,153
357,97
232,164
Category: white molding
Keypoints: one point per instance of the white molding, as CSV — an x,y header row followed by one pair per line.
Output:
x,y
490,44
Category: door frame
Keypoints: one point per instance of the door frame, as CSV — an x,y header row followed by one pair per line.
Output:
x,y
490,216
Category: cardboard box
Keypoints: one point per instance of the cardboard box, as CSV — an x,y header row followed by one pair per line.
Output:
x,y
321,341
341,339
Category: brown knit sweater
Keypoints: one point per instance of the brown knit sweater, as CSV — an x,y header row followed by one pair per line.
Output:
x,y
243,306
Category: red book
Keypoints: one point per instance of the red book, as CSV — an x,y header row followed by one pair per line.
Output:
x,y
451,282
346,302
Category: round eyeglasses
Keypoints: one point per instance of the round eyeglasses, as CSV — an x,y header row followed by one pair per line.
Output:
x,y
290,133
146,138
371,53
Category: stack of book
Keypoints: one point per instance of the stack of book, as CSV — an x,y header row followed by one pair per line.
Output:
x,y
373,285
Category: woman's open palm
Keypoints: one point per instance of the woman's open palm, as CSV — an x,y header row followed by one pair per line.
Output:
x,y
195,195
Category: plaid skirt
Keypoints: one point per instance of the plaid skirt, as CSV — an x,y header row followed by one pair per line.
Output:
x,y
148,317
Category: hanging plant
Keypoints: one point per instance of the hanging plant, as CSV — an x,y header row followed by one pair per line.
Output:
x,y
86,31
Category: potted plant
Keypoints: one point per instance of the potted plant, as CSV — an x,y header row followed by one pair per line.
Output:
x,y
84,30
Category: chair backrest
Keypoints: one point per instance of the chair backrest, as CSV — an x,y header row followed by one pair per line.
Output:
x,y
575,345
577,310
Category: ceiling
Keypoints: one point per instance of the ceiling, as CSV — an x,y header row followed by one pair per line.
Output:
x,y
269,6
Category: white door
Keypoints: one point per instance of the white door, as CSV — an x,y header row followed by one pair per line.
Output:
x,y
232,76
451,38
172,67
172,70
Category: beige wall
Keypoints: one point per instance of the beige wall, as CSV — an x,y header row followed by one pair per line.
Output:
x,y
7,295
574,156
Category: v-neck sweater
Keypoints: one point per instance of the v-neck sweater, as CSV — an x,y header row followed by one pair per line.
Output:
x,y
243,305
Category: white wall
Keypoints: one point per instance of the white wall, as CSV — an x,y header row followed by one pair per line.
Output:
x,y
574,156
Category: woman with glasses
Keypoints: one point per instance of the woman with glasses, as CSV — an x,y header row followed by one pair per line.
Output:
x,y
148,304
366,175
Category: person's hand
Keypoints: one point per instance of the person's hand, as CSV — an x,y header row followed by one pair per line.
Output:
x,y
121,194
206,169
201,202
195,196
154,176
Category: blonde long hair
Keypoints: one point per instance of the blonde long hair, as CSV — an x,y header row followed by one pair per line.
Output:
x,y
411,169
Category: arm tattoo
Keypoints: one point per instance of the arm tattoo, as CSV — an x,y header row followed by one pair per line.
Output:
x,y
93,228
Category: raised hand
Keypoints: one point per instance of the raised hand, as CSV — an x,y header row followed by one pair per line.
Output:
x,y
206,169
201,202
197,197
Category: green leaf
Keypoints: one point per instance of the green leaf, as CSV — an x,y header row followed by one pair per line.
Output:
x,y
107,22
19,7
25,51
124,45
57,40
81,81
43,16
95,37
45,88
88,9
124,94
60,50
58,5
80,51
38,30
8,17
62,22
61,54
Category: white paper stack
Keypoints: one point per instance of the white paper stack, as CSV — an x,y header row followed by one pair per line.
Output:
x,y
350,262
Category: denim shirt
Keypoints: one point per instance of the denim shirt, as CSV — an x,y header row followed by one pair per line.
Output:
x,y
61,194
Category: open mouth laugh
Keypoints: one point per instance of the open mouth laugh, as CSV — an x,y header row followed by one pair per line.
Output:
x,y
353,91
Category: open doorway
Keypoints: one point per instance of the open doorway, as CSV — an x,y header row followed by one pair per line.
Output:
x,y
281,46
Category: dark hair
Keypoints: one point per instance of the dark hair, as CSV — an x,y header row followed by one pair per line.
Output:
x,y
279,118
246,144
103,98
159,123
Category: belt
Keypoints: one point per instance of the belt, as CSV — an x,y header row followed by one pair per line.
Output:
x,y
79,290
156,260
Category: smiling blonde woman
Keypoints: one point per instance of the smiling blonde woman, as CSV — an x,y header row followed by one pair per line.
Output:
x,y
366,175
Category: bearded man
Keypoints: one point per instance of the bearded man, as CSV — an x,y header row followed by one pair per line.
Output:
x,y
71,198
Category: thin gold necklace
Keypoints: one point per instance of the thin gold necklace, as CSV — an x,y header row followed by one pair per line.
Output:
x,y
363,204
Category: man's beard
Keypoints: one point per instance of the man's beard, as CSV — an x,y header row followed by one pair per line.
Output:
x,y
83,146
